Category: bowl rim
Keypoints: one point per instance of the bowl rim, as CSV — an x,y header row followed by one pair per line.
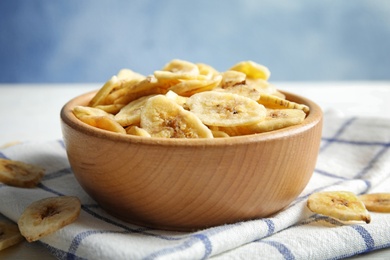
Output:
x,y
68,118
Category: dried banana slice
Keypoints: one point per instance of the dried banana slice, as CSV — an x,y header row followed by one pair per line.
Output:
x,y
111,109
341,205
225,109
20,174
252,70
101,95
272,101
178,66
177,70
45,216
242,90
180,100
135,130
98,118
162,117
275,119
189,87
9,235
207,70
128,74
378,202
134,90
264,87
131,113
232,78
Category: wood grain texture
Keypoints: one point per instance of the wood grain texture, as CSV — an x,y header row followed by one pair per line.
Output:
x,y
181,184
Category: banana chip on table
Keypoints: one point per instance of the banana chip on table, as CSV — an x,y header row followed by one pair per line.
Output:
x,y
162,117
378,202
46,216
341,205
20,174
9,235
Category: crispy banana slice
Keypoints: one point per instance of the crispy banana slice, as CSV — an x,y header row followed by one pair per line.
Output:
x,y
378,202
275,119
9,235
341,205
225,109
20,174
128,74
219,134
189,87
178,66
45,216
264,86
135,89
207,70
252,70
272,101
101,95
162,117
242,90
177,70
135,130
111,109
232,78
131,113
98,118
180,100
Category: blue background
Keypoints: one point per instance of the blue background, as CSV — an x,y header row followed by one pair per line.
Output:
x,y
89,40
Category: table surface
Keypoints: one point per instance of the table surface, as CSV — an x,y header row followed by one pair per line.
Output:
x,y
30,112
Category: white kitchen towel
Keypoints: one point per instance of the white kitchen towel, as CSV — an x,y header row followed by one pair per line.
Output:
x,y
354,156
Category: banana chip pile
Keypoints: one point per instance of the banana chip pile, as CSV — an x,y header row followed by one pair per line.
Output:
x,y
188,100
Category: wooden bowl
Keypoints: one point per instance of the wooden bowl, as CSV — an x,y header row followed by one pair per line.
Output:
x,y
189,184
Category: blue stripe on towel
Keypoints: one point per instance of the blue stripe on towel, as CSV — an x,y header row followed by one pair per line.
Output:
x,y
370,243
287,254
337,134
270,225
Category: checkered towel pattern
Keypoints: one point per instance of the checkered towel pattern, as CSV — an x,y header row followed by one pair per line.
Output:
x,y
354,156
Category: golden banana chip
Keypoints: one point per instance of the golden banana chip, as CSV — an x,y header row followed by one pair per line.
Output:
x,y
252,70
178,66
232,78
225,109
131,113
207,70
9,235
145,87
162,117
275,119
378,202
189,87
341,205
20,174
271,101
98,118
180,100
46,216
135,130
101,95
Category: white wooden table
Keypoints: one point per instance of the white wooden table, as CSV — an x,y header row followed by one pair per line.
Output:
x,y
31,113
